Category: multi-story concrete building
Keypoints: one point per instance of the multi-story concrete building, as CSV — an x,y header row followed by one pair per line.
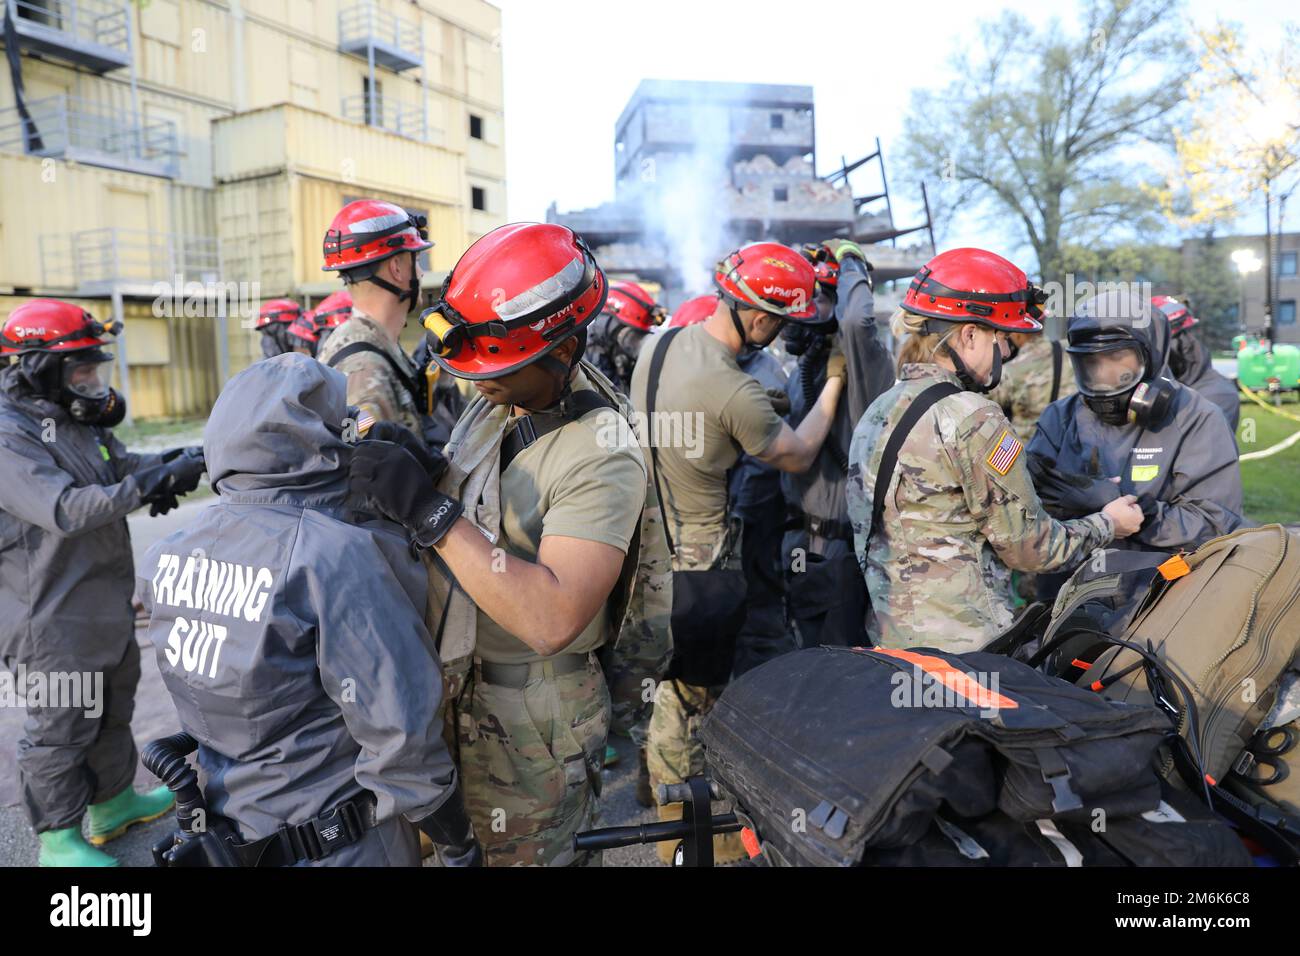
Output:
x,y
701,167
1251,288
177,151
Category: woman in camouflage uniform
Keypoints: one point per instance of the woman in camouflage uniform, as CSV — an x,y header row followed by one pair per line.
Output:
x,y
958,510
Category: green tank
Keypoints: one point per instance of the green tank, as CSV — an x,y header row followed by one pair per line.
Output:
x,y
1260,369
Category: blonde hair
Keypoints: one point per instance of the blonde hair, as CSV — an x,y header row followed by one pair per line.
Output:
x,y
917,346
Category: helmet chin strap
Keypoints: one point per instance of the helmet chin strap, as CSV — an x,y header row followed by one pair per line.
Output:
x,y
561,371
412,290
745,344
963,372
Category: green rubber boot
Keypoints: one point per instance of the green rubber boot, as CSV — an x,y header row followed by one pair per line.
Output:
x,y
110,819
68,847
611,756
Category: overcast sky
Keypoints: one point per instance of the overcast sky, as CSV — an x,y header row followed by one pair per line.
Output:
x,y
571,65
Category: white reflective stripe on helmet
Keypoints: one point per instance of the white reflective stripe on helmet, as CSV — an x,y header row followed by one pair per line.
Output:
x,y
379,223
551,289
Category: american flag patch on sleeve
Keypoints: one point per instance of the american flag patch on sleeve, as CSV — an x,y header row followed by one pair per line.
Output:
x,y
1005,454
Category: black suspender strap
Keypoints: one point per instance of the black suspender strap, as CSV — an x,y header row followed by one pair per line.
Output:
x,y
889,461
651,390
1057,356
356,347
530,428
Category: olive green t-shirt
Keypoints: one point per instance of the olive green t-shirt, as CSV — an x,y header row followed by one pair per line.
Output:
x,y
584,480
707,411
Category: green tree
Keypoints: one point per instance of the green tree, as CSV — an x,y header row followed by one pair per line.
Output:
x,y
1211,287
1052,128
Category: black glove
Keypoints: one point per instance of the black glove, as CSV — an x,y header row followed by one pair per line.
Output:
x,y
433,462
184,469
387,479
160,503
452,833
1066,494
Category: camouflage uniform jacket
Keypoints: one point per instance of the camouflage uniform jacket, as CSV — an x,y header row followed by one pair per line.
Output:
x,y
960,512
372,384
1026,386
640,606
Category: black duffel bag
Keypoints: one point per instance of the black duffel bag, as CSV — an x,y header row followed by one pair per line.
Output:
x,y
708,611
834,755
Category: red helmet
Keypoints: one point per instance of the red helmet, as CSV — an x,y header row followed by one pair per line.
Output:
x,y
770,277
515,294
694,310
368,231
304,329
1179,316
334,309
825,266
278,310
632,305
48,325
973,285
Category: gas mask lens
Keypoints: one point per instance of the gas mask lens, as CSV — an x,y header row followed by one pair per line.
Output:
x,y
87,378
1109,373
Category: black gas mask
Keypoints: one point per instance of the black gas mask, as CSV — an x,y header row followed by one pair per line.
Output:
x,y
84,390
812,338
1117,382
275,339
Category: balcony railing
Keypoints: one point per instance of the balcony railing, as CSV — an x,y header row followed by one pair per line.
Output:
x,y
94,261
68,127
397,44
90,33
387,114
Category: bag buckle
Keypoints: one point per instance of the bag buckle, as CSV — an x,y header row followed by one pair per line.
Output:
x,y
1063,797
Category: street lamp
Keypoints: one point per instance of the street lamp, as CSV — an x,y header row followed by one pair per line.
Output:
x,y
1246,262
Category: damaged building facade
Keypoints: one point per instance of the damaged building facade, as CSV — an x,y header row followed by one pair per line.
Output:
x,y
703,167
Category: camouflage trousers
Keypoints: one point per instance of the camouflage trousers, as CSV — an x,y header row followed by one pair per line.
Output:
x,y
530,762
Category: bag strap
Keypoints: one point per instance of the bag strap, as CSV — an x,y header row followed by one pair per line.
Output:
x,y
530,428
1057,358
357,347
889,460
651,391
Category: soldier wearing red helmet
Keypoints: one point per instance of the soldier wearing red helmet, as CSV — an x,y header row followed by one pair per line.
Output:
x,y
375,247
333,311
547,539
302,334
273,320
703,411
66,580
615,337
939,495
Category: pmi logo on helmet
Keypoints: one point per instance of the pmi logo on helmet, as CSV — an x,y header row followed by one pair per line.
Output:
x,y
780,290
778,263
30,331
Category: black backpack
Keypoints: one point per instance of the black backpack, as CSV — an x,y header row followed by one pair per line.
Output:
x,y
858,756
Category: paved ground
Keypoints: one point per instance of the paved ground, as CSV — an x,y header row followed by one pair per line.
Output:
x,y
155,717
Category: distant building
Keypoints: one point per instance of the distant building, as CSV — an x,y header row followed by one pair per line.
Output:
x,y
702,167
214,142
1286,281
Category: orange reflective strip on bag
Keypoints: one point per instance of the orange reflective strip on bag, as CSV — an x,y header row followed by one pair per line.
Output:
x,y
957,681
